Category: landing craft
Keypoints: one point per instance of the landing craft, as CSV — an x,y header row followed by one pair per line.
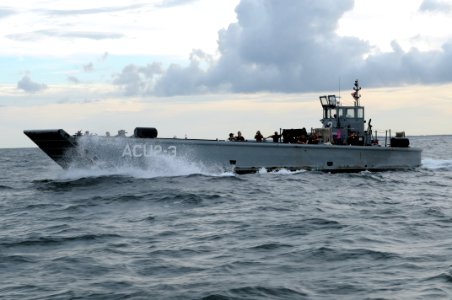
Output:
x,y
342,144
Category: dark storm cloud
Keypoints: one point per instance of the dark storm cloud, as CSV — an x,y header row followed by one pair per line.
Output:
x,y
39,34
29,86
292,46
435,6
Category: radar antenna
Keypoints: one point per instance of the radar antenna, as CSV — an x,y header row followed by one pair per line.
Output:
x,y
356,95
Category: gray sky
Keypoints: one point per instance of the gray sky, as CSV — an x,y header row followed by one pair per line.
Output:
x,y
140,54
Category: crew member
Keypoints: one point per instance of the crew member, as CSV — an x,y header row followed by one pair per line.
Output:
x,y
121,133
239,137
259,137
275,137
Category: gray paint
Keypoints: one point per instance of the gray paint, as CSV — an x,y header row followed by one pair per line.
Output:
x,y
251,156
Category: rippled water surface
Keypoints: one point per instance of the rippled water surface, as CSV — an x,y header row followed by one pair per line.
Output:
x,y
186,234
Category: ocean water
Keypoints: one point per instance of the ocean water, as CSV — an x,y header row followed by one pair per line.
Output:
x,y
184,233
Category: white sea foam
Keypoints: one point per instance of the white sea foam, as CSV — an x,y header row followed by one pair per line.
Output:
x,y
163,167
280,171
437,164
262,171
105,160
287,172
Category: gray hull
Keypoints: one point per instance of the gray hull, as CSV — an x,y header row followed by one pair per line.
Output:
x,y
252,156
239,157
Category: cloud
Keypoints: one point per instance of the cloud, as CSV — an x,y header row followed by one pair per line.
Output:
x,y
275,46
171,3
104,57
285,46
136,80
5,12
29,86
40,34
89,11
73,79
290,46
412,67
435,6
88,67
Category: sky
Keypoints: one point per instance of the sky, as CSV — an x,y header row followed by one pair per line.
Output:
x,y
203,68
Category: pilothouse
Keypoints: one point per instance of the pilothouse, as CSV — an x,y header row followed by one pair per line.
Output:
x,y
347,123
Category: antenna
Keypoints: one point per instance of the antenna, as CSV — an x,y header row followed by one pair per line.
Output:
x,y
339,97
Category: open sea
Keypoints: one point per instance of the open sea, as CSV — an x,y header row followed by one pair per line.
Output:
x,y
183,233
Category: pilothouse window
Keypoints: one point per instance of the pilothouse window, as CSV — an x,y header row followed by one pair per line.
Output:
x,y
332,100
360,113
328,101
330,113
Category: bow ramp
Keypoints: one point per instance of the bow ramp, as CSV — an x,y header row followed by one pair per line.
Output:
x,y
56,143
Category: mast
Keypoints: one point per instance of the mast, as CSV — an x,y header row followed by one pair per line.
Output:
x,y
356,95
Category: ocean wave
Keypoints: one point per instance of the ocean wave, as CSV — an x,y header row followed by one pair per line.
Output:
x,y
109,234
271,246
16,259
437,164
75,173
443,276
260,292
5,187
186,198
67,183
321,223
57,240
333,254
281,171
